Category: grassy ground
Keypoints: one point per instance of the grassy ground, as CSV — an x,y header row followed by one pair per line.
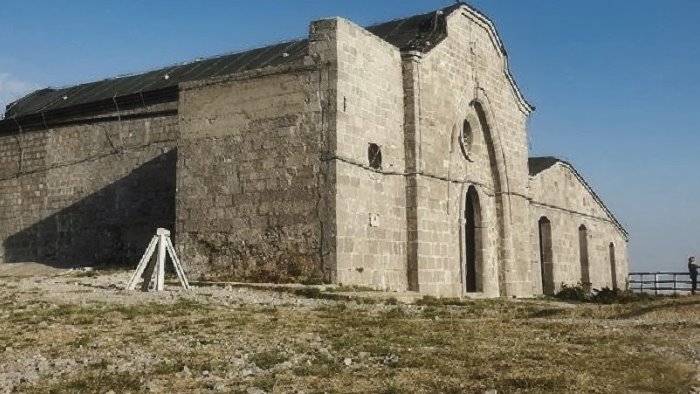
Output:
x,y
192,345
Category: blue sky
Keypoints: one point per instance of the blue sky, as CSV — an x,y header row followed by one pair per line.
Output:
x,y
616,83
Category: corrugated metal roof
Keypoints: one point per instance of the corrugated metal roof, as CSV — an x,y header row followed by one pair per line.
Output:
x,y
420,31
54,99
539,164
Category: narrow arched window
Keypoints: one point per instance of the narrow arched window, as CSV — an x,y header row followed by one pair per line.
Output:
x,y
546,255
583,256
466,138
467,135
613,265
473,242
374,156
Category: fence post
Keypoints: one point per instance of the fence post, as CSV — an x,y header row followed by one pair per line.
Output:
x,y
637,281
656,284
674,284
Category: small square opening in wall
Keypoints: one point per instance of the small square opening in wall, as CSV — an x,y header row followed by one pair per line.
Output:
x,y
374,155
373,220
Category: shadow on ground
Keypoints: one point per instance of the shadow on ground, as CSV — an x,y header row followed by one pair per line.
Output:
x,y
657,307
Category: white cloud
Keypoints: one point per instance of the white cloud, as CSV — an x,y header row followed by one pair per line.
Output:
x,y
12,88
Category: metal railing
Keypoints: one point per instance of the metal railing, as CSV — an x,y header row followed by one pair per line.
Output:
x,y
659,282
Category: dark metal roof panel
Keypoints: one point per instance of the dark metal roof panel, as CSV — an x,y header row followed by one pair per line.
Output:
x,y
539,164
420,31
52,99
40,99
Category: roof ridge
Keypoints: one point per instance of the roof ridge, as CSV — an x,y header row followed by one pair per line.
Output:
x,y
171,65
422,31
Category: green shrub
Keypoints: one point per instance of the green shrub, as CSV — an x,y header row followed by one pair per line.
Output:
x,y
606,295
392,301
309,292
603,295
573,293
267,360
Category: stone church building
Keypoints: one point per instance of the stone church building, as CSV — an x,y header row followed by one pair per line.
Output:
x,y
393,156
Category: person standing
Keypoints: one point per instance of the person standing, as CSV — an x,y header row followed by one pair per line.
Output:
x,y
693,270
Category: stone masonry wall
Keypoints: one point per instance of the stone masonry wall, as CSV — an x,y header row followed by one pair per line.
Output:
x,y
370,202
267,175
559,196
252,196
89,193
468,66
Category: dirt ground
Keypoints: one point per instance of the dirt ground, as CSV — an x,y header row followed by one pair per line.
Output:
x,y
80,331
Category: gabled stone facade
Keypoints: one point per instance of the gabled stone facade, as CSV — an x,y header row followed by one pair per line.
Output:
x,y
575,238
393,156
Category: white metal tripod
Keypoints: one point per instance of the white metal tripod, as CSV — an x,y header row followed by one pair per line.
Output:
x,y
157,266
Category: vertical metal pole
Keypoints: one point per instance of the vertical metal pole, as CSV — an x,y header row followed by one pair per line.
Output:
x,y
160,265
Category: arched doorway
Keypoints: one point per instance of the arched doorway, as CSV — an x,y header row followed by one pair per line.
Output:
x,y
613,268
583,256
546,255
472,242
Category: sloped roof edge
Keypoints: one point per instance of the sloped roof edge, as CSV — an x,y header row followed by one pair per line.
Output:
x,y
525,105
421,32
418,32
537,165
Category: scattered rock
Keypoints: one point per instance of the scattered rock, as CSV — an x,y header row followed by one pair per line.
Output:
x,y
42,366
247,372
390,359
347,361
215,386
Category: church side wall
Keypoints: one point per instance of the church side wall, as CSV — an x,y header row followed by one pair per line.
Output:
x,y
560,197
468,66
252,188
371,202
88,193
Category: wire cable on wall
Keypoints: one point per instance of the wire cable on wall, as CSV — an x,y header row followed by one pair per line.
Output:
x,y
19,139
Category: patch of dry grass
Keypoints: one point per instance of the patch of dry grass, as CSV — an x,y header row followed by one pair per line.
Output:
x,y
448,346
